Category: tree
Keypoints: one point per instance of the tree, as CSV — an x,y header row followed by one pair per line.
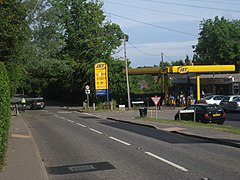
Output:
x,y
218,42
69,37
14,34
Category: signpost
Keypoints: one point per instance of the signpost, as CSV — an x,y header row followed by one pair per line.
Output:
x,y
87,92
101,79
156,100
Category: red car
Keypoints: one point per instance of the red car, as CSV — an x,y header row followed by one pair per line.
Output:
x,y
37,103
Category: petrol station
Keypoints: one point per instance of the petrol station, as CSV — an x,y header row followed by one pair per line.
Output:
x,y
193,70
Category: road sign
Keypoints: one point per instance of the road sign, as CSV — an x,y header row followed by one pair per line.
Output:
x,y
87,91
101,76
156,100
87,87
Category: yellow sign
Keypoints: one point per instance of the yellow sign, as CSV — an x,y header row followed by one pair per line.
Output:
x,y
101,76
164,70
202,69
182,70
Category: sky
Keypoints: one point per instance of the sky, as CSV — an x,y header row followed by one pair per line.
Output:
x,y
170,27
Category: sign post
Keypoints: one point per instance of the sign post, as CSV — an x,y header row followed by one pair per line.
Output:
x,y
87,92
156,100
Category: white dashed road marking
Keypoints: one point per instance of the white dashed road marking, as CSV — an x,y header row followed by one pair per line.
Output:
x,y
118,140
70,120
166,161
81,125
94,130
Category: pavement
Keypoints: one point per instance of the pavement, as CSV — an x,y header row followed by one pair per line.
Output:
x,y
23,160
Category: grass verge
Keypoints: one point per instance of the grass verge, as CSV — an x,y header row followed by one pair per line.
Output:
x,y
225,128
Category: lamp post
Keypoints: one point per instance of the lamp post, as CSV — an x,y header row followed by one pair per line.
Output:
x,y
126,67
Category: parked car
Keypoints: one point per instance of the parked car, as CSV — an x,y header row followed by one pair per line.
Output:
x,y
212,99
226,99
234,105
37,103
205,113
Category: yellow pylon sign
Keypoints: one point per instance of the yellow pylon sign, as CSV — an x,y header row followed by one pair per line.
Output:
x,y
101,76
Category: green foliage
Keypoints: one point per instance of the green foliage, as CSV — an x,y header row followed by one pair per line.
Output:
x,y
218,42
4,109
14,33
69,37
13,27
145,84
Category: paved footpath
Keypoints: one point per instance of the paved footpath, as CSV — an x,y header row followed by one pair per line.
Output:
x,y
23,161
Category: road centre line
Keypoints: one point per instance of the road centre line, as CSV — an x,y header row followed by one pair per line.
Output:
x,y
118,140
94,130
81,125
166,161
70,120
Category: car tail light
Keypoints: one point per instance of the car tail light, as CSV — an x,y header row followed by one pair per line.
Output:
x,y
206,116
235,104
224,114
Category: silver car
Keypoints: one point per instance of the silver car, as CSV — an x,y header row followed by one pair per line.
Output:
x,y
234,105
226,99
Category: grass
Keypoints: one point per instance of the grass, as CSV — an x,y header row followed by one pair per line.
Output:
x,y
225,128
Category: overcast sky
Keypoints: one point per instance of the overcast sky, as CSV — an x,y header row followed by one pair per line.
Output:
x,y
170,27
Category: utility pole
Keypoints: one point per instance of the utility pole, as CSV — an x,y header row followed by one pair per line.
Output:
x,y
163,85
126,63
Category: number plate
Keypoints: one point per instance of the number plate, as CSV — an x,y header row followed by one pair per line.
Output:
x,y
215,115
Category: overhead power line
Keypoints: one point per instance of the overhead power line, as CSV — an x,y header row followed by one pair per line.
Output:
x,y
142,50
154,10
193,6
218,2
153,25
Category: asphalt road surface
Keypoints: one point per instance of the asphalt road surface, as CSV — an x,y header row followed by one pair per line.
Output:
x,y
76,145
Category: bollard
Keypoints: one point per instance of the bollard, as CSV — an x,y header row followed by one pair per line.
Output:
x,y
16,108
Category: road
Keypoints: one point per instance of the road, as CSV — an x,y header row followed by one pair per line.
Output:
x,y
77,145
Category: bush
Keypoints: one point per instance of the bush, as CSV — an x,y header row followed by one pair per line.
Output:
x,y
4,110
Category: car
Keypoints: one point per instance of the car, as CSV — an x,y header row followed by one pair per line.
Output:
x,y
234,105
205,113
226,99
212,99
37,103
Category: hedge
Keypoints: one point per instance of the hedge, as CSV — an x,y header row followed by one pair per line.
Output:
x,y
4,110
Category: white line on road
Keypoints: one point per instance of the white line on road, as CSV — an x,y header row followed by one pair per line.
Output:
x,y
166,161
81,125
91,115
94,130
118,140
70,120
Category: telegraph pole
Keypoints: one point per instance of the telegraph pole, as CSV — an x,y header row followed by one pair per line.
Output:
x,y
126,63
163,85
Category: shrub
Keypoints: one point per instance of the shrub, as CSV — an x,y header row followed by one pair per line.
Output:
x,y
4,110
